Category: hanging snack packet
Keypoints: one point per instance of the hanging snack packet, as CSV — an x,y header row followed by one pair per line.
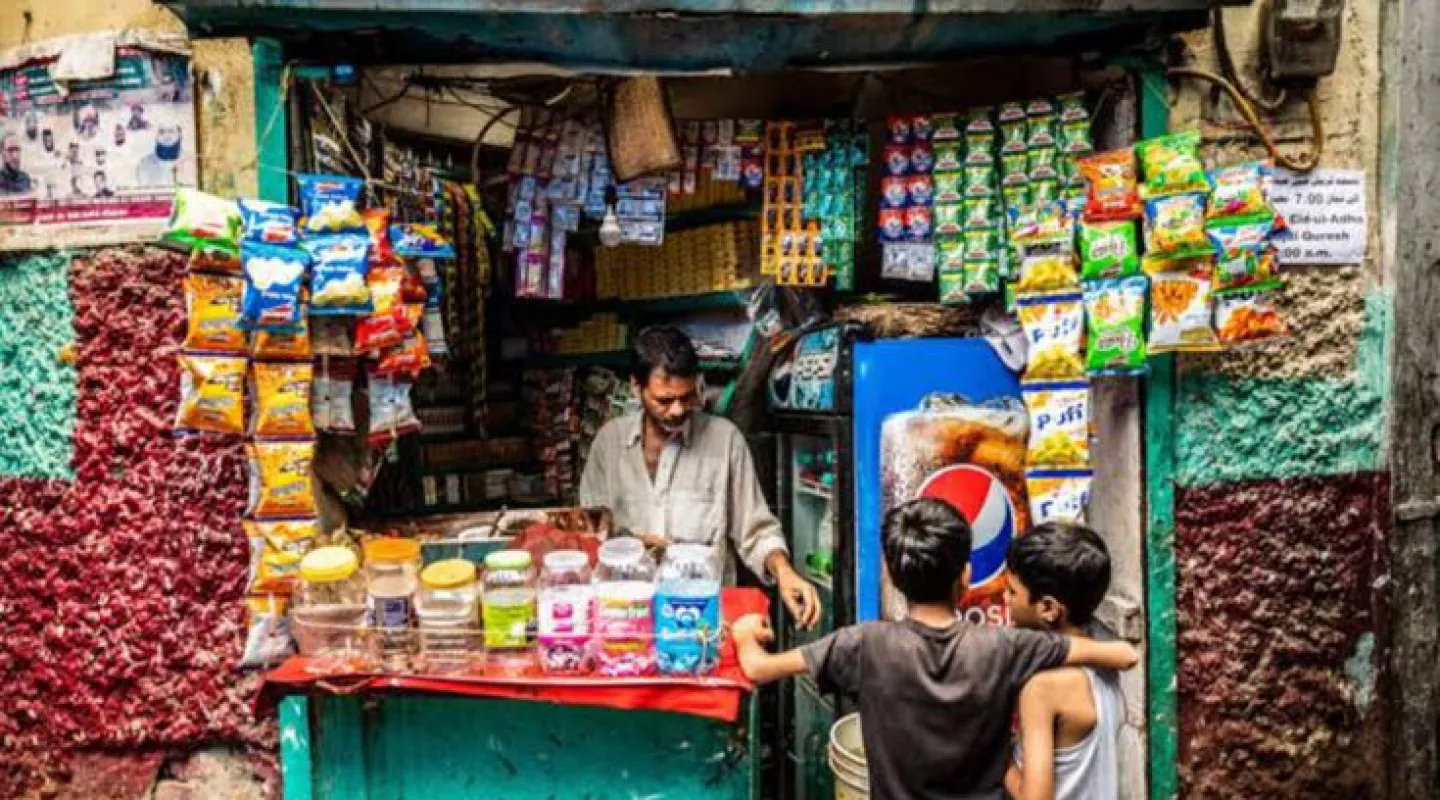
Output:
x,y
290,345
414,240
331,336
269,223
273,276
1181,319
330,204
267,632
1047,271
212,314
949,187
1247,316
1171,164
1058,495
389,323
391,414
952,289
212,393
1012,128
275,552
1241,190
1243,268
1112,192
377,223
949,127
1108,249
1059,424
950,254
218,259
407,359
1048,224
1072,107
280,483
1240,233
981,276
339,266
1115,332
1054,328
280,395
198,219
333,401
1175,226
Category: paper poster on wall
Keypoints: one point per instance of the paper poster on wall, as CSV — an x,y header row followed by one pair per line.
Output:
x,y
1326,213
94,162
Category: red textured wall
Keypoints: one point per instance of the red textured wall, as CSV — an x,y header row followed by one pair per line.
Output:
x,y
1278,586
121,590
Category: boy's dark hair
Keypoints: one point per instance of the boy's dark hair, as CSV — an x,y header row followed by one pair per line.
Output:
x,y
1067,562
663,347
927,546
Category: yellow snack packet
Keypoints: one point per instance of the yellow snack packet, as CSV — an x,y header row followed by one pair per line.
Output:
x,y
212,313
1054,326
1059,495
212,393
284,346
276,549
1059,424
281,396
1047,272
281,486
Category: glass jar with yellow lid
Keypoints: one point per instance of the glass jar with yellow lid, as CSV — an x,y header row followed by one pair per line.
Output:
x,y
328,611
448,611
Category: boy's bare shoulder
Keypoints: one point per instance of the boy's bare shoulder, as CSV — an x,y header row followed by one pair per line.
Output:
x,y
1053,684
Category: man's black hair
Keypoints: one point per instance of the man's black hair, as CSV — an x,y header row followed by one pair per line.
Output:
x,y
1067,562
927,546
663,347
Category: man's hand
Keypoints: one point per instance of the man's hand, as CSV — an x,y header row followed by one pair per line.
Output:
x,y
799,596
655,544
752,628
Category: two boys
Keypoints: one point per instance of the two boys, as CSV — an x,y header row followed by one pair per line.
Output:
x,y
937,695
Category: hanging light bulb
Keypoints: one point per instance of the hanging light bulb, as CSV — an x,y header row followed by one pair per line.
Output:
x,y
610,232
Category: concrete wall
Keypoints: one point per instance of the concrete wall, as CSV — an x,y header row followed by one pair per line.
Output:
x,y
121,558
1283,502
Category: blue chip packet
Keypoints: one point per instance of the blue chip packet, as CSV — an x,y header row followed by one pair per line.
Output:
x,y
330,204
338,264
269,223
415,240
273,278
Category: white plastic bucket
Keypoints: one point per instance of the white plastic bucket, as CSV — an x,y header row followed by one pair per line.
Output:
x,y
847,760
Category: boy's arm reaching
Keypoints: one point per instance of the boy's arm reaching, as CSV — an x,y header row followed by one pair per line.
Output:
x,y
1035,778
1105,655
752,632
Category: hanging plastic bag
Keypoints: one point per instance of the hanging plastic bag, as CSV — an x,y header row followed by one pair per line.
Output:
x,y
212,393
330,336
391,413
330,204
280,395
339,266
269,223
281,486
267,631
333,403
273,279
212,305
198,219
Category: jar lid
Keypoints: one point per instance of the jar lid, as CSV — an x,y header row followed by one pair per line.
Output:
x,y
328,564
392,548
451,573
508,559
625,550
566,560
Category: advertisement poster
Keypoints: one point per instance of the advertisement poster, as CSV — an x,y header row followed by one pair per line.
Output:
x,y
972,456
96,161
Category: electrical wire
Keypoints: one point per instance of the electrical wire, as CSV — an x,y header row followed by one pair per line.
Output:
x,y
1227,64
480,142
1247,110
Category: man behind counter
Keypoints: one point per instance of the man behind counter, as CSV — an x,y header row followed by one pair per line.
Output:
x,y
672,473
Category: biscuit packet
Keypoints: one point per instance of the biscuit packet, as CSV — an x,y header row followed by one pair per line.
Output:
x,y
1054,326
280,395
1115,326
1175,226
1249,316
274,277
1047,270
1108,249
281,486
339,266
212,305
1058,495
212,393
291,345
1181,316
198,219
330,204
276,548
1059,424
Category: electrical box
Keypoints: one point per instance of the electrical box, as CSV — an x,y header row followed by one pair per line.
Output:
x,y
1302,38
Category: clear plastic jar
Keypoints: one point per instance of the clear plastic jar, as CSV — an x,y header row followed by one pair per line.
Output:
x,y
567,609
624,609
508,608
328,610
448,611
392,567
687,612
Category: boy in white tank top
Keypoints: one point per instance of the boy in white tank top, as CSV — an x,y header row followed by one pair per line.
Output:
x,y
1070,717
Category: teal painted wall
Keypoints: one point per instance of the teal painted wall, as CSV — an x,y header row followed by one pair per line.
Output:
x,y
37,390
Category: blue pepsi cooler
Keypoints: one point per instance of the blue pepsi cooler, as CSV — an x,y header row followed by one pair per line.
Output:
x,y
687,612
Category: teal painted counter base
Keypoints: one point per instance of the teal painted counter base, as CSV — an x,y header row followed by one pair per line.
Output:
x,y
399,747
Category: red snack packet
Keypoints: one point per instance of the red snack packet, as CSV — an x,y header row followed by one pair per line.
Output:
x,y
1112,189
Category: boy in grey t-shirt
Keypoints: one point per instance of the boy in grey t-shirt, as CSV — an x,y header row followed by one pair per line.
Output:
x,y
936,694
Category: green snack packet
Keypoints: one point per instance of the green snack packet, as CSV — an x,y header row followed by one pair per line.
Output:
x,y
980,212
1108,250
948,127
979,180
1171,165
1075,137
1072,107
1044,191
1040,159
949,186
982,276
949,218
1115,325
949,156
950,253
197,219
977,121
1041,130
952,288
1014,167
982,244
978,152
1016,196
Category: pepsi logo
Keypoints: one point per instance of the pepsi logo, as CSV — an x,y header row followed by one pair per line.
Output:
x,y
982,499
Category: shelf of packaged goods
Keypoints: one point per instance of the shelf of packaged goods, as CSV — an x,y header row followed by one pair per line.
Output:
x,y
815,490
619,358
630,307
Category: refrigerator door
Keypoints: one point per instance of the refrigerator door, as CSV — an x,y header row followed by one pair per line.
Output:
x,y
892,377
812,518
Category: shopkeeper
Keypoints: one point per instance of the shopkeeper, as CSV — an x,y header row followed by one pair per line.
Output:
x,y
671,473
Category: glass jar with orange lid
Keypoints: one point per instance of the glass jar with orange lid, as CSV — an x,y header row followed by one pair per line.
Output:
x,y
392,569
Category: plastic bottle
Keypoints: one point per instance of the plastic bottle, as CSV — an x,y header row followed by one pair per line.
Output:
x,y
328,611
392,566
624,608
687,612
567,611
448,611
508,607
